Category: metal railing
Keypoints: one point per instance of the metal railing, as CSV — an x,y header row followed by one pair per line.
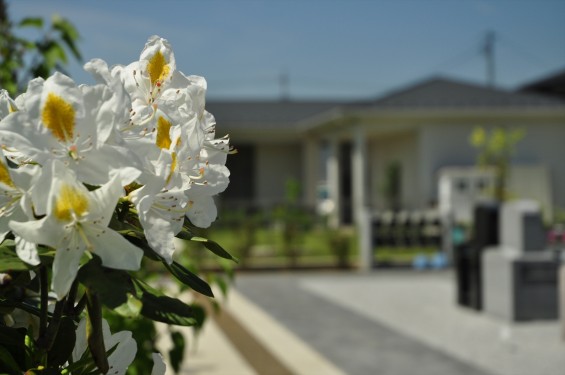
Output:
x,y
406,229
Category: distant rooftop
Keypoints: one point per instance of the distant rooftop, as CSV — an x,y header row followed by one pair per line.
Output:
x,y
266,114
448,93
553,85
434,93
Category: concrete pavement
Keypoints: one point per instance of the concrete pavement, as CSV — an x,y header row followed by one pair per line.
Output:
x,y
383,322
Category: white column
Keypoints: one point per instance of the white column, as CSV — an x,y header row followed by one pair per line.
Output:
x,y
333,174
311,176
361,213
359,173
365,232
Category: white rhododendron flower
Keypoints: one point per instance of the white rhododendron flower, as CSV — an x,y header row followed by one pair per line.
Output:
x,y
143,126
7,104
89,176
159,367
76,221
15,185
61,121
184,165
123,354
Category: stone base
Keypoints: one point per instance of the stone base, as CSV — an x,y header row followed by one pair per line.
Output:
x,y
520,286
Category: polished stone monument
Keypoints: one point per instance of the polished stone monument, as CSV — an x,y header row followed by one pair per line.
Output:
x,y
468,254
520,276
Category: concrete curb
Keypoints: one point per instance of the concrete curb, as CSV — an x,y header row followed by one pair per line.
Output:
x,y
297,356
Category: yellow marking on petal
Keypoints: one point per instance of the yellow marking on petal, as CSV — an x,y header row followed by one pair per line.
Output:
x,y
163,128
173,166
5,176
11,108
59,117
174,163
158,68
70,200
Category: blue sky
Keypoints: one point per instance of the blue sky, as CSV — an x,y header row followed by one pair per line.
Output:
x,y
330,49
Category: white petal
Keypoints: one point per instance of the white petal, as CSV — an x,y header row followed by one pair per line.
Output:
x,y
114,250
17,131
123,355
203,212
99,165
159,234
27,251
104,200
126,175
42,232
66,88
65,266
159,367
40,191
80,343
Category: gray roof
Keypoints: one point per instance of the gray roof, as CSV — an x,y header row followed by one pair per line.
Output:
x,y
266,114
553,84
435,93
442,93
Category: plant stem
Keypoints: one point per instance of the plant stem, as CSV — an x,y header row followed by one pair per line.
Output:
x,y
94,331
54,324
80,305
71,297
44,295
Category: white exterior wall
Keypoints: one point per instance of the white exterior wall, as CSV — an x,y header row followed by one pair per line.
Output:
x,y
545,144
448,145
276,164
402,148
441,146
311,176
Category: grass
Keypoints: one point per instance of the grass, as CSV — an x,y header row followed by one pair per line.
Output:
x,y
315,249
400,255
267,247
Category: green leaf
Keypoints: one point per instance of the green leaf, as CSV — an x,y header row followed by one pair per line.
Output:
x,y
166,309
222,284
10,260
11,336
131,308
210,245
161,308
69,35
189,279
52,53
31,22
176,354
199,314
65,27
9,303
12,348
113,286
7,362
64,342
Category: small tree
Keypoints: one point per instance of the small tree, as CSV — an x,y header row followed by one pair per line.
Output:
x,y
495,150
294,220
22,59
392,185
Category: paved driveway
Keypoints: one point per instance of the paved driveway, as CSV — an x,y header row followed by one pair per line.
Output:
x,y
401,323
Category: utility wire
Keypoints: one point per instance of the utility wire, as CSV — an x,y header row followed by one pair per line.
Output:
x,y
521,52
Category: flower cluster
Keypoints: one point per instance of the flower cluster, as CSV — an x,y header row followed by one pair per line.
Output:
x,y
81,166
142,127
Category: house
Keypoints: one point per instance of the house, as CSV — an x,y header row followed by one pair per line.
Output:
x,y
351,146
552,85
